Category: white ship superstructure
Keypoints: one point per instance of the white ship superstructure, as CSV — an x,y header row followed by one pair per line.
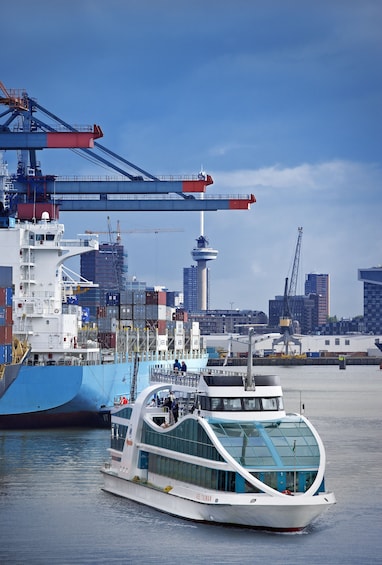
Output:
x,y
219,447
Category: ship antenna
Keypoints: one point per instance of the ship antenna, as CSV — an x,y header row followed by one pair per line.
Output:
x,y
249,383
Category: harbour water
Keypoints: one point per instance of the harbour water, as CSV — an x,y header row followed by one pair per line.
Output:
x,y
53,510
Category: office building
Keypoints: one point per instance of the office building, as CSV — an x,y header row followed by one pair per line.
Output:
x,y
318,284
372,298
190,288
106,268
302,308
230,321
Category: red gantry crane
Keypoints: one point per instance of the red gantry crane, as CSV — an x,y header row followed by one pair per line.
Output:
x,y
24,129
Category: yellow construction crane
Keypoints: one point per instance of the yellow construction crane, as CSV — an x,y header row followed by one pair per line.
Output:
x,y
118,231
114,243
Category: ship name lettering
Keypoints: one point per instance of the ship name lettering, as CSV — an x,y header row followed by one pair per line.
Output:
x,y
204,497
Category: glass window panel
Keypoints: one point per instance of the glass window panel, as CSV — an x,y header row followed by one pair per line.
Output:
x,y
269,403
232,404
262,452
251,404
255,441
279,441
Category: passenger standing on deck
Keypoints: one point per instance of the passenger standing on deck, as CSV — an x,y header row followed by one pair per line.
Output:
x,y
177,366
183,367
175,409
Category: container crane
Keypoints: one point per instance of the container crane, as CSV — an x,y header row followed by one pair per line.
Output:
x,y
286,318
22,129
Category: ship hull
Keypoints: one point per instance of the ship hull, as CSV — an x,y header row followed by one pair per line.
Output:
x,y
68,396
278,514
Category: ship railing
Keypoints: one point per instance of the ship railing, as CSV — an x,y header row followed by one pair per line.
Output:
x,y
159,356
122,178
186,378
82,242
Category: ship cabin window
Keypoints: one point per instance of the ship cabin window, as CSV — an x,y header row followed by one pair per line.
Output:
x,y
205,477
238,404
232,404
251,404
269,403
118,435
41,237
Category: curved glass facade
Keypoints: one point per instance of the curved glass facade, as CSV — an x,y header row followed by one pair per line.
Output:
x,y
189,437
283,454
285,444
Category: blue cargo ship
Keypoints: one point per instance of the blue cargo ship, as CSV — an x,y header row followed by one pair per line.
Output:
x,y
67,378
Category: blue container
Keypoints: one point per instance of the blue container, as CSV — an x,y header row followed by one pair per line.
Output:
x,y
212,353
85,315
2,354
5,277
8,296
8,353
112,298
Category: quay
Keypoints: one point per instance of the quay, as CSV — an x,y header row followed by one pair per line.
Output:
x,y
295,361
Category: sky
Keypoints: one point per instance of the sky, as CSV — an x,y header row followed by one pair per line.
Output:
x,y
280,99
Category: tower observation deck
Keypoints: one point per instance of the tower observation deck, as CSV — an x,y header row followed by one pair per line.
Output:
x,y
201,254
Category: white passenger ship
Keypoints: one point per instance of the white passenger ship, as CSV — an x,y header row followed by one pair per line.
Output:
x,y
219,447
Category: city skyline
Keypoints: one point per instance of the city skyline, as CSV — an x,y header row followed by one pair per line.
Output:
x,y
280,100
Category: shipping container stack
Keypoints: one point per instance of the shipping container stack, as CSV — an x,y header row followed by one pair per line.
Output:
x,y
138,311
6,334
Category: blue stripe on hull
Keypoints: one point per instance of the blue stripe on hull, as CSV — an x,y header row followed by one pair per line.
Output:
x,y
47,396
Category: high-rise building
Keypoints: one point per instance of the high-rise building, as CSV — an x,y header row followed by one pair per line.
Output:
x,y
319,284
190,288
372,298
106,268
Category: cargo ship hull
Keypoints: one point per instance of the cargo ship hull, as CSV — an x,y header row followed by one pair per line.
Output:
x,y
62,396
69,375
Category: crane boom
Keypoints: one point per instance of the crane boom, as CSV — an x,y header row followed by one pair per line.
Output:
x,y
141,230
118,231
32,193
296,264
286,318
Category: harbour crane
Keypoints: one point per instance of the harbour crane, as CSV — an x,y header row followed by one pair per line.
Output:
x,y
286,318
32,193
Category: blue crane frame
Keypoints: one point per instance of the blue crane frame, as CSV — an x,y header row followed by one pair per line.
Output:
x,y
136,190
